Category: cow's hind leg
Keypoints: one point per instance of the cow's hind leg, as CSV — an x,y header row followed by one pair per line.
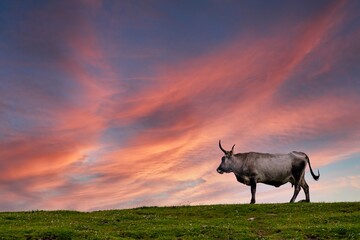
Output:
x,y
296,192
298,171
305,187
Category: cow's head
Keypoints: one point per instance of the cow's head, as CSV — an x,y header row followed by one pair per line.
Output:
x,y
226,160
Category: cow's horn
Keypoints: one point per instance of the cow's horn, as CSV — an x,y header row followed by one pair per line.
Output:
x,y
232,149
221,147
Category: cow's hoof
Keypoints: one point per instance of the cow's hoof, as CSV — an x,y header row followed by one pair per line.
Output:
x,y
304,201
252,201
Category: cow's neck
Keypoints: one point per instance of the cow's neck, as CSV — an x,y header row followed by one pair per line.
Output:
x,y
242,172
239,163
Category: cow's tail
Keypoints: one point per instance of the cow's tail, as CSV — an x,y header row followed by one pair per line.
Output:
x,y
311,171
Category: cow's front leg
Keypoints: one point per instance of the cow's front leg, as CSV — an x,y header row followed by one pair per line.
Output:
x,y
253,190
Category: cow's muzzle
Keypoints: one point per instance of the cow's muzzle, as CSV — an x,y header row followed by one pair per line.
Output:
x,y
219,171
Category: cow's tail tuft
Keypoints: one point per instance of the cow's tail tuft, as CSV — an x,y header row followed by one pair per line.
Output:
x,y
311,171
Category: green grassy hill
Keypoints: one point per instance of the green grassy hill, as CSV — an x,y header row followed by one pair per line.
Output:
x,y
261,221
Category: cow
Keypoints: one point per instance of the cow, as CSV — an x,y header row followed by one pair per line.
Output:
x,y
272,169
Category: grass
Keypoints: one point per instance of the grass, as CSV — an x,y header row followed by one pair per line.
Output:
x,y
261,221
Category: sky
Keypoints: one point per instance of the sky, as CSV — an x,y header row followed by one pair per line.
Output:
x,y
121,104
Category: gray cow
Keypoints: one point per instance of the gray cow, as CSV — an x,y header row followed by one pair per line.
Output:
x,y
272,169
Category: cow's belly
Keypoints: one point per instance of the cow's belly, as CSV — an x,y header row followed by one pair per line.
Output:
x,y
277,183
274,183
273,172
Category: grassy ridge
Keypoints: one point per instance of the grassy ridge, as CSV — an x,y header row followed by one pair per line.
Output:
x,y
262,221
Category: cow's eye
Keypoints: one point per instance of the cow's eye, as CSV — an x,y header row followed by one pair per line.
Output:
x,y
223,159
